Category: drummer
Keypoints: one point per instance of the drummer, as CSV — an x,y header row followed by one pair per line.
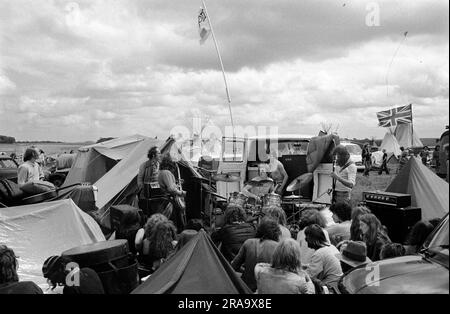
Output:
x,y
260,185
277,172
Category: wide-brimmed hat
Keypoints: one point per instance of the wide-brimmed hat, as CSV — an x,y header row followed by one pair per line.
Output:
x,y
354,254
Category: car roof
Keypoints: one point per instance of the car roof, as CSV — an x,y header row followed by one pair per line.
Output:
x,y
294,137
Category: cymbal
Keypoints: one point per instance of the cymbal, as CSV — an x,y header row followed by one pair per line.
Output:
x,y
225,177
300,182
291,197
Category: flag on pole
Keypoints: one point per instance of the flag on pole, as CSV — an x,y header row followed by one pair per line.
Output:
x,y
398,115
204,29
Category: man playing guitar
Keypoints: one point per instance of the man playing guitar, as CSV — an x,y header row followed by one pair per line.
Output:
x,y
173,207
344,175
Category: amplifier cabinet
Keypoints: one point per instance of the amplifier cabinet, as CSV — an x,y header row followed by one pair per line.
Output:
x,y
398,221
388,199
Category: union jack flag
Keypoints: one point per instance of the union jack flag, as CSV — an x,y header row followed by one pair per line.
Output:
x,y
398,115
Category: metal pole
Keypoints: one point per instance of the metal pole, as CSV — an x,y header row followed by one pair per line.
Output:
x,y
221,65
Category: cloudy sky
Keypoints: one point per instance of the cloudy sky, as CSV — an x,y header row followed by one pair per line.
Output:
x,y
82,70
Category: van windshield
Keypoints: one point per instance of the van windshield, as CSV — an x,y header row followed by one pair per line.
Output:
x,y
260,150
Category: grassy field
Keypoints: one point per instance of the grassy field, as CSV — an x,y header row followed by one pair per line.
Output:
x,y
373,182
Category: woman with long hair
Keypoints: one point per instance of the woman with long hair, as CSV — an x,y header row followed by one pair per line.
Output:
x,y
373,234
159,246
324,265
278,214
234,232
9,279
284,275
168,183
355,231
257,250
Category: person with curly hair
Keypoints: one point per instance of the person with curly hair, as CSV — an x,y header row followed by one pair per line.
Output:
x,y
234,233
257,250
344,176
285,274
144,233
9,279
160,245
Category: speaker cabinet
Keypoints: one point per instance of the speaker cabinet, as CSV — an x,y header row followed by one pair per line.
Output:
x,y
295,165
398,221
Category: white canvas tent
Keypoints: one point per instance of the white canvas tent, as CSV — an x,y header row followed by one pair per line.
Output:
x,y
390,144
93,161
36,232
406,136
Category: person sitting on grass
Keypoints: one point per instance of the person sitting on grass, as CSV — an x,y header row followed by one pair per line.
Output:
x,y
284,275
9,279
234,233
373,235
324,265
342,215
257,250
278,214
85,280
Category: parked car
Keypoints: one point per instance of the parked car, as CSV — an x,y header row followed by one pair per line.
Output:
x,y
355,154
423,273
8,168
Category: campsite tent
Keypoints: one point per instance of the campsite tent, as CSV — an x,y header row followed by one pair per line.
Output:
x,y
36,232
119,185
122,175
197,268
428,191
93,161
406,137
390,144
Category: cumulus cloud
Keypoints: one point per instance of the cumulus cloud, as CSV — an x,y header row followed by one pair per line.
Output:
x,y
88,69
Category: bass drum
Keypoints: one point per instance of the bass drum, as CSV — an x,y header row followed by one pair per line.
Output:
x,y
270,200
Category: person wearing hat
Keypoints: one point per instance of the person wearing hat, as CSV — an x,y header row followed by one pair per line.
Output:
x,y
353,254
85,280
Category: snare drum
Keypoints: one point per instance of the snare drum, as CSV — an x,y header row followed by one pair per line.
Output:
x,y
237,198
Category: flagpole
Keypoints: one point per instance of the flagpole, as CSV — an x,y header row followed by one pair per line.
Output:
x,y
412,127
221,65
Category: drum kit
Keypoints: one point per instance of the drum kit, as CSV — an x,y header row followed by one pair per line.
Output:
x,y
253,207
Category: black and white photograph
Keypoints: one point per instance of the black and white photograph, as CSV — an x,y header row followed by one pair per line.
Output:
x,y
224,151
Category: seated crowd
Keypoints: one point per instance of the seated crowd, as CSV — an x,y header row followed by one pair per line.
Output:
x,y
264,254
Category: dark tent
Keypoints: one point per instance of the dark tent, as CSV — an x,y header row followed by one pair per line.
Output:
x,y
198,268
428,191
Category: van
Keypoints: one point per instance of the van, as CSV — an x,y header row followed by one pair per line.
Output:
x,y
241,158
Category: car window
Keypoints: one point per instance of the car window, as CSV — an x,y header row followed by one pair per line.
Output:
x,y
439,242
353,149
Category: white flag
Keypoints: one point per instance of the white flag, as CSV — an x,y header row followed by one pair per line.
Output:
x,y
204,28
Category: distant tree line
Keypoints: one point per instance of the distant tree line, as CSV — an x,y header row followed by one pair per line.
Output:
x,y
7,139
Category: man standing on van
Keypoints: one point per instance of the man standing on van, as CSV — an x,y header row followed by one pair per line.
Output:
x,y
344,175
